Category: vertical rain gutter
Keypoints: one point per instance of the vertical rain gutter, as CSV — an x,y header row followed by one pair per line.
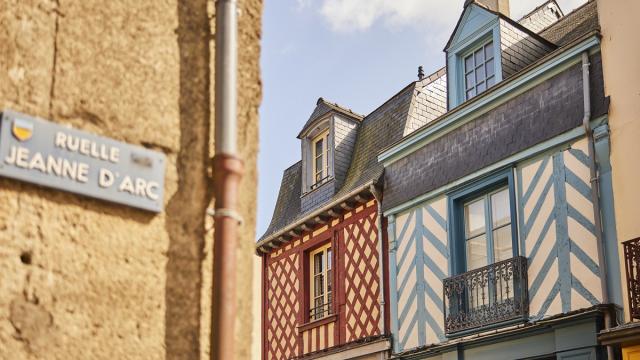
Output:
x,y
595,197
378,196
227,169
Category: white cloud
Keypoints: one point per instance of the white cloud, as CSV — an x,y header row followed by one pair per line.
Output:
x,y
303,4
360,15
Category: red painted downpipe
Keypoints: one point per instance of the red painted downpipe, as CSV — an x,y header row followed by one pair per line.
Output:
x,y
227,169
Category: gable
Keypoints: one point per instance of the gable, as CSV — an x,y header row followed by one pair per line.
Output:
x,y
474,19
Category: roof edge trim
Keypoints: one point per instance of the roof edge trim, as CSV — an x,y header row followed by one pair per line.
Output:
x,y
268,239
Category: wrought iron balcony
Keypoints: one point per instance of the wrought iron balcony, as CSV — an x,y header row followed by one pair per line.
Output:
x,y
486,296
632,265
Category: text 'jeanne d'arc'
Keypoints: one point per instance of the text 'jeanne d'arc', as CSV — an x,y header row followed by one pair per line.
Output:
x,y
78,171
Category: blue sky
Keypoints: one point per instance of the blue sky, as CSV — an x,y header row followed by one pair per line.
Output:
x,y
357,53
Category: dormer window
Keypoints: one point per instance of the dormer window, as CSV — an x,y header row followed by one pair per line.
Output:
x,y
320,158
318,154
327,141
479,70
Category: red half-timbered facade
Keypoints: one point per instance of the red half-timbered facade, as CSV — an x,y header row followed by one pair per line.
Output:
x,y
290,331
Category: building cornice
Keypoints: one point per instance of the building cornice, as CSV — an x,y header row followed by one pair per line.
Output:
x,y
323,215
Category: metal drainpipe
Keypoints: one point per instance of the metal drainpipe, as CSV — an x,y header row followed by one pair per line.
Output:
x,y
378,196
595,197
227,169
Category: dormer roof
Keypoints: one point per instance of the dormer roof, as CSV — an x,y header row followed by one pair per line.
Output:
x,y
542,16
322,108
502,16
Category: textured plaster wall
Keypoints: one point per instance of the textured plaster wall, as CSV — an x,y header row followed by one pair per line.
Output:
x,y
620,54
82,278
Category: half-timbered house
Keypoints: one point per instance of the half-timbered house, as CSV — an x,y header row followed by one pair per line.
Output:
x,y
499,247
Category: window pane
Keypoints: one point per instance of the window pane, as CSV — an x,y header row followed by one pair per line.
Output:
x,y
319,147
480,74
329,258
319,169
470,94
329,281
318,285
318,308
490,68
500,208
481,87
317,264
491,81
468,63
470,80
502,245
479,57
476,252
474,218
488,50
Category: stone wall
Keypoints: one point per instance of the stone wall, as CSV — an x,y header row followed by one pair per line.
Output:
x,y
83,278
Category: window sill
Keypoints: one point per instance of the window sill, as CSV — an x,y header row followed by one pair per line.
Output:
x,y
313,324
321,185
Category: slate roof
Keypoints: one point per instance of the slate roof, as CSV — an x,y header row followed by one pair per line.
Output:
x,y
574,25
288,203
384,127
381,128
539,7
502,16
322,107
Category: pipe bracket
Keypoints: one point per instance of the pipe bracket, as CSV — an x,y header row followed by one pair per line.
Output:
x,y
228,213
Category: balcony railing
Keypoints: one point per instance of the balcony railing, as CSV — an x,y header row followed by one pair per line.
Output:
x,y
632,265
486,296
320,311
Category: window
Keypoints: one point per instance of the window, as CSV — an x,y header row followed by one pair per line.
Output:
x,y
321,283
320,158
483,222
487,224
479,70
489,283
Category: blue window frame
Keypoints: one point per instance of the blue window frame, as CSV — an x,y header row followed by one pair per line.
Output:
x,y
483,222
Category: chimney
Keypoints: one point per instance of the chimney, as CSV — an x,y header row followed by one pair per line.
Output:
x,y
501,6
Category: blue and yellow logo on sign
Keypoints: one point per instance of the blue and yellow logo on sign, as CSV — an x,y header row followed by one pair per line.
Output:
x,y
22,129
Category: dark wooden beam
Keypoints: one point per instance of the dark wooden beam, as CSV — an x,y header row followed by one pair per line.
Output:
x,y
348,205
322,219
335,212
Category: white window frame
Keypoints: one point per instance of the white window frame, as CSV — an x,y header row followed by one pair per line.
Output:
x,y
327,273
325,153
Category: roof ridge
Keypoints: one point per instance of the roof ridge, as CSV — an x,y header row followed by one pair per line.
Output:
x,y
294,164
433,76
540,7
566,17
338,106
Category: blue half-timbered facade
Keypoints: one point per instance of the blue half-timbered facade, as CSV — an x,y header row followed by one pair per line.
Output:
x,y
498,244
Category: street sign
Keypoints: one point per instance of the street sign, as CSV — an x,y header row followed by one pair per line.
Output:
x,y
59,157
